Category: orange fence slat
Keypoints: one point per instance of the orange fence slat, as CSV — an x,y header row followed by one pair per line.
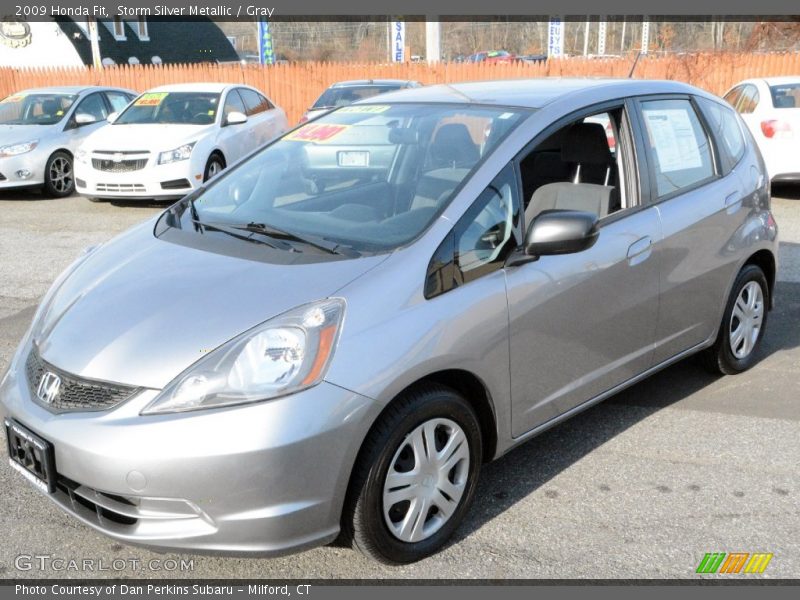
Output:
x,y
296,86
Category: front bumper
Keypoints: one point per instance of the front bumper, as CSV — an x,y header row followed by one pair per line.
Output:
x,y
169,181
11,166
264,478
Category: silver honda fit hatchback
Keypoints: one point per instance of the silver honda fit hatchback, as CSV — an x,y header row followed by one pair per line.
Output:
x,y
332,337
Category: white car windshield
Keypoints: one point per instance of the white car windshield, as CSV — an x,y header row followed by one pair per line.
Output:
x,y
368,176
34,108
173,108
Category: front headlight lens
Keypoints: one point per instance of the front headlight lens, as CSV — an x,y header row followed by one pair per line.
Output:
x,y
284,355
81,155
15,149
176,155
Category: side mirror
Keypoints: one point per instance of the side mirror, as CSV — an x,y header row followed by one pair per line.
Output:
x,y
235,118
112,117
84,119
557,232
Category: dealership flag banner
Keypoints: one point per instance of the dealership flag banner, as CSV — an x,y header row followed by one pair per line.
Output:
x,y
398,41
266,55
555,38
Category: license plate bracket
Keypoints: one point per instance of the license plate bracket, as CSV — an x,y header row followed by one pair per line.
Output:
x,y
32,456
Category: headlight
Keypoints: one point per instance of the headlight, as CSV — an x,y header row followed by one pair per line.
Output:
x,y
284,355
15,149
81,155
180,153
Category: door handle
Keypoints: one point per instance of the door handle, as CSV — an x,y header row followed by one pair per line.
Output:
x,y
639,250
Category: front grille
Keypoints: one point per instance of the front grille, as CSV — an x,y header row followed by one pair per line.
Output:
x,y
119,166
74,393
120,187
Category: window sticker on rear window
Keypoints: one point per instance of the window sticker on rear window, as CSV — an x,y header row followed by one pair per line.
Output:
x,y
14,98
673,137
316,132
368,109
151,99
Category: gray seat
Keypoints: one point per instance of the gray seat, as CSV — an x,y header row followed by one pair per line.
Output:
x,y
586,145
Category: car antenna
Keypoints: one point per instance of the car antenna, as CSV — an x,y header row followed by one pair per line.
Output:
x,y
635,62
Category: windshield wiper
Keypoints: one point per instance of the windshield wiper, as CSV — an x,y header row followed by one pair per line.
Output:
x,y
318,242
235,232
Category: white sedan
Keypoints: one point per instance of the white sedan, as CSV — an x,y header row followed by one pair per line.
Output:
x,y
771,109
171,139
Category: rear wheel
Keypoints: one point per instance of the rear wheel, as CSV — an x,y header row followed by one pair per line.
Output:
x,y
742,325
59,179
415,476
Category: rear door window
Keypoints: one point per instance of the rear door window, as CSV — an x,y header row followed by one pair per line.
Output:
x,y
678,146
255,102
748,100
732,96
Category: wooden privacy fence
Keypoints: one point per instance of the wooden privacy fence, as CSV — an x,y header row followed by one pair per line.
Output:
x,y
296,86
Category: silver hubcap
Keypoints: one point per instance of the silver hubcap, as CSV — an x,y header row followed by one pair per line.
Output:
x,y
746,319
214,168
426,480
61,174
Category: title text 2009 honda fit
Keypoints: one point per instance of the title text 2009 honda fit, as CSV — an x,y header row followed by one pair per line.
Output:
x,y
331,337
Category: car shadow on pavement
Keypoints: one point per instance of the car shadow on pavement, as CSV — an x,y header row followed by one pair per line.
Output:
x,y
24,195
521,472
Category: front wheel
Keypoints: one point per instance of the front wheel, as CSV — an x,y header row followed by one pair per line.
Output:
x,y
59,179
742,324
214,167
415,477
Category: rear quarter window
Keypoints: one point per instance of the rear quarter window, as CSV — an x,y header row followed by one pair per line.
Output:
x,y
725,128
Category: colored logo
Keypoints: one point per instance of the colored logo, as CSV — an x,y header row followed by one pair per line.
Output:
x,y
734,562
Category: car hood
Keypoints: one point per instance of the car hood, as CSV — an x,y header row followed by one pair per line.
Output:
x,y
139,310
16,134
151,138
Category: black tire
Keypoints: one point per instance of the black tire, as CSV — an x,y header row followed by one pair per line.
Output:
x,y
215,161
59,175
720,358
364,526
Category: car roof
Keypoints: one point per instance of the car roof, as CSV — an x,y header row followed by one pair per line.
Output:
x,y
782,80
69,89
215,88
533,93
355,82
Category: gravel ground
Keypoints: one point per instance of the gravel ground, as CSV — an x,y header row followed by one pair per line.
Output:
x,y
642,485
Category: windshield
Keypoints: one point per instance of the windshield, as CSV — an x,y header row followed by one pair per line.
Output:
x,y
370,177
176,108
34,109
786,95
333,97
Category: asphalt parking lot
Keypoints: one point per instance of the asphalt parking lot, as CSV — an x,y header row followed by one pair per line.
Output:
x,y
641,486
